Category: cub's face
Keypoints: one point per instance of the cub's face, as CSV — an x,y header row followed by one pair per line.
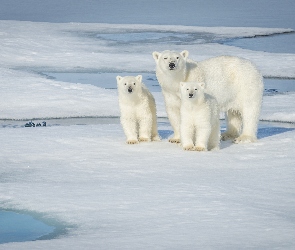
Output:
x,y
191,90
170,61
129,84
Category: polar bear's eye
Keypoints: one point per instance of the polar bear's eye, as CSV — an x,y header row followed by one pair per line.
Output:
x,y
125,84
134,83
187,89
196,89
165,58
177,57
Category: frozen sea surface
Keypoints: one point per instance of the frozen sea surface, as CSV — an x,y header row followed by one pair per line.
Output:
x,y
108,81
275,44
150,195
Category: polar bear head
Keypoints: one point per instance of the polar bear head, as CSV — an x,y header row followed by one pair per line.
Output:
x,y
129,84
192,90
170,61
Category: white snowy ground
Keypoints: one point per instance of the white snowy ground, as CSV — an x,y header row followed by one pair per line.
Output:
x,y
147,196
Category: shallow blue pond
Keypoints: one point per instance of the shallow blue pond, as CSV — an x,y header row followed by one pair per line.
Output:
x,y
17,227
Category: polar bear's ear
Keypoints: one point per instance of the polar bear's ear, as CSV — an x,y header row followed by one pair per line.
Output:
x,y
119,78
156,55
139,78
184,54
202,85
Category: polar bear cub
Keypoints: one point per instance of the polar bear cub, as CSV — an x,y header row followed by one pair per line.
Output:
x,y
199,118
138,110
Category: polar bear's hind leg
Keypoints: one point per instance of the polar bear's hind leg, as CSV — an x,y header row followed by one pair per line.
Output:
x,y
250,124
234,125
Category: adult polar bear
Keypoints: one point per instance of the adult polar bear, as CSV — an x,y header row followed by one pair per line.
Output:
x,y
235,83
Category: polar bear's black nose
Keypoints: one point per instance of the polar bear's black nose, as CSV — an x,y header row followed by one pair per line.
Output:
x,y
190,95
172,65
130,90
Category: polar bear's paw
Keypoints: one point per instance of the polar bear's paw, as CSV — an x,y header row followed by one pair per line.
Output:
x,y
174,140
132,141
245,139
143,139
156,138
198,148
214,148
189,147
228,136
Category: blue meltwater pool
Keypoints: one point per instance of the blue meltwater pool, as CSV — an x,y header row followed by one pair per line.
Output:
x,y
18,227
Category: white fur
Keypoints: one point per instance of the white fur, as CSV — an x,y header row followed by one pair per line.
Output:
x,y
235,83
199,118
138,110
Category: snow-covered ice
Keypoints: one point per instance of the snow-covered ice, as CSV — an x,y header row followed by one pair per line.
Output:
x,y
153,195
75,47
111,195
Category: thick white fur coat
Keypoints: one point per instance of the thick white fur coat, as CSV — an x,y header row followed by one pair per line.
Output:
x,y
199,126
138,110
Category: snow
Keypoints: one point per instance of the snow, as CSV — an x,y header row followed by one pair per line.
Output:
x,y
152,195
111,195
279,108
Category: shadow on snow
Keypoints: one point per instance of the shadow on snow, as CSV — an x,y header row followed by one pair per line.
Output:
x,y
270,131
263,132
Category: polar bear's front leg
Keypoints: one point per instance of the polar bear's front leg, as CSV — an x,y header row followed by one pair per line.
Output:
x,y
145,128
130,129
214,139
174,118
202,138
187,134
173,111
